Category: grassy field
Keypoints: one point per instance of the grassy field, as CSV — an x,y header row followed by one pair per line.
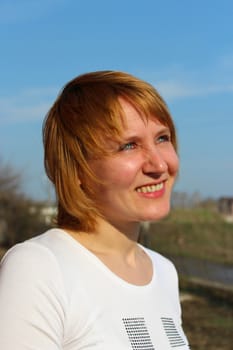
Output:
x,y
196,232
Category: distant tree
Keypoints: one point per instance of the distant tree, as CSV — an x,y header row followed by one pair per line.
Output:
x,y
186,200
10,180
17,219
210,203
179,199
195,199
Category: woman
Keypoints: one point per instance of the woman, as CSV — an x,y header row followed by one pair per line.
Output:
x,y
110,151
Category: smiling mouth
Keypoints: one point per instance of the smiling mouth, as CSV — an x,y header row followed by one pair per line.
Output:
x,y
151,188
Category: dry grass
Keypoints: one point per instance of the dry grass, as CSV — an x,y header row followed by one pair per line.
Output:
x,y
2,252
208,323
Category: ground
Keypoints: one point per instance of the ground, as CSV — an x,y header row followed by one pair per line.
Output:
x,y
208,323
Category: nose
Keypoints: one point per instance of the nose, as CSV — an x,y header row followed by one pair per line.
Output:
x,y
155,161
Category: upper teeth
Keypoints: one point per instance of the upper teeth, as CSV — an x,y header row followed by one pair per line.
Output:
x,y
152,188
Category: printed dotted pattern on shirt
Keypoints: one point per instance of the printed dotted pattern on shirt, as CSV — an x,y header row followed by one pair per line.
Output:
x,y
138,334
173,335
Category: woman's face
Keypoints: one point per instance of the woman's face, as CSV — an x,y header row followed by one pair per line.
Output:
x,y
138,175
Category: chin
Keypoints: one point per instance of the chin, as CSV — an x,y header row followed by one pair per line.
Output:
x,y
158,214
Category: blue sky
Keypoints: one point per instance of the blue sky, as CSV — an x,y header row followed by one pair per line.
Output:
x,y
184,48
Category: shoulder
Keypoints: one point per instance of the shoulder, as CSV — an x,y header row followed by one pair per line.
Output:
x,y
52,258
30,275
159,259
162,265
29,260
44,246
33,300
27,252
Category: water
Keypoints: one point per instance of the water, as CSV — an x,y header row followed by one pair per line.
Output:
x,y
205,270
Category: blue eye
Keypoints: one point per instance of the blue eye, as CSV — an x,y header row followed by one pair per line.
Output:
x,y
128,146
164,138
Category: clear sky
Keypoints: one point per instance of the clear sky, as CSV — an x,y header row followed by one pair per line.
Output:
x,y
184,48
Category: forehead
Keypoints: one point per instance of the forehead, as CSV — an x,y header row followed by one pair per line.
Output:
x,y
132,118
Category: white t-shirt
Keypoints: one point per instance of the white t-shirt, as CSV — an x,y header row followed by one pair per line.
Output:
x,y
55,294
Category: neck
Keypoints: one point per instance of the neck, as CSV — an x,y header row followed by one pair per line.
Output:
x,y
110,238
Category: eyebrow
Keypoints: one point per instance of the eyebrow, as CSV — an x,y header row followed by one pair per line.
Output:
x,y
164,129
133,136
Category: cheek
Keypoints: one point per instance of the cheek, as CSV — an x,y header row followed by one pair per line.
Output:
x,y
118,172
173,163
124,173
